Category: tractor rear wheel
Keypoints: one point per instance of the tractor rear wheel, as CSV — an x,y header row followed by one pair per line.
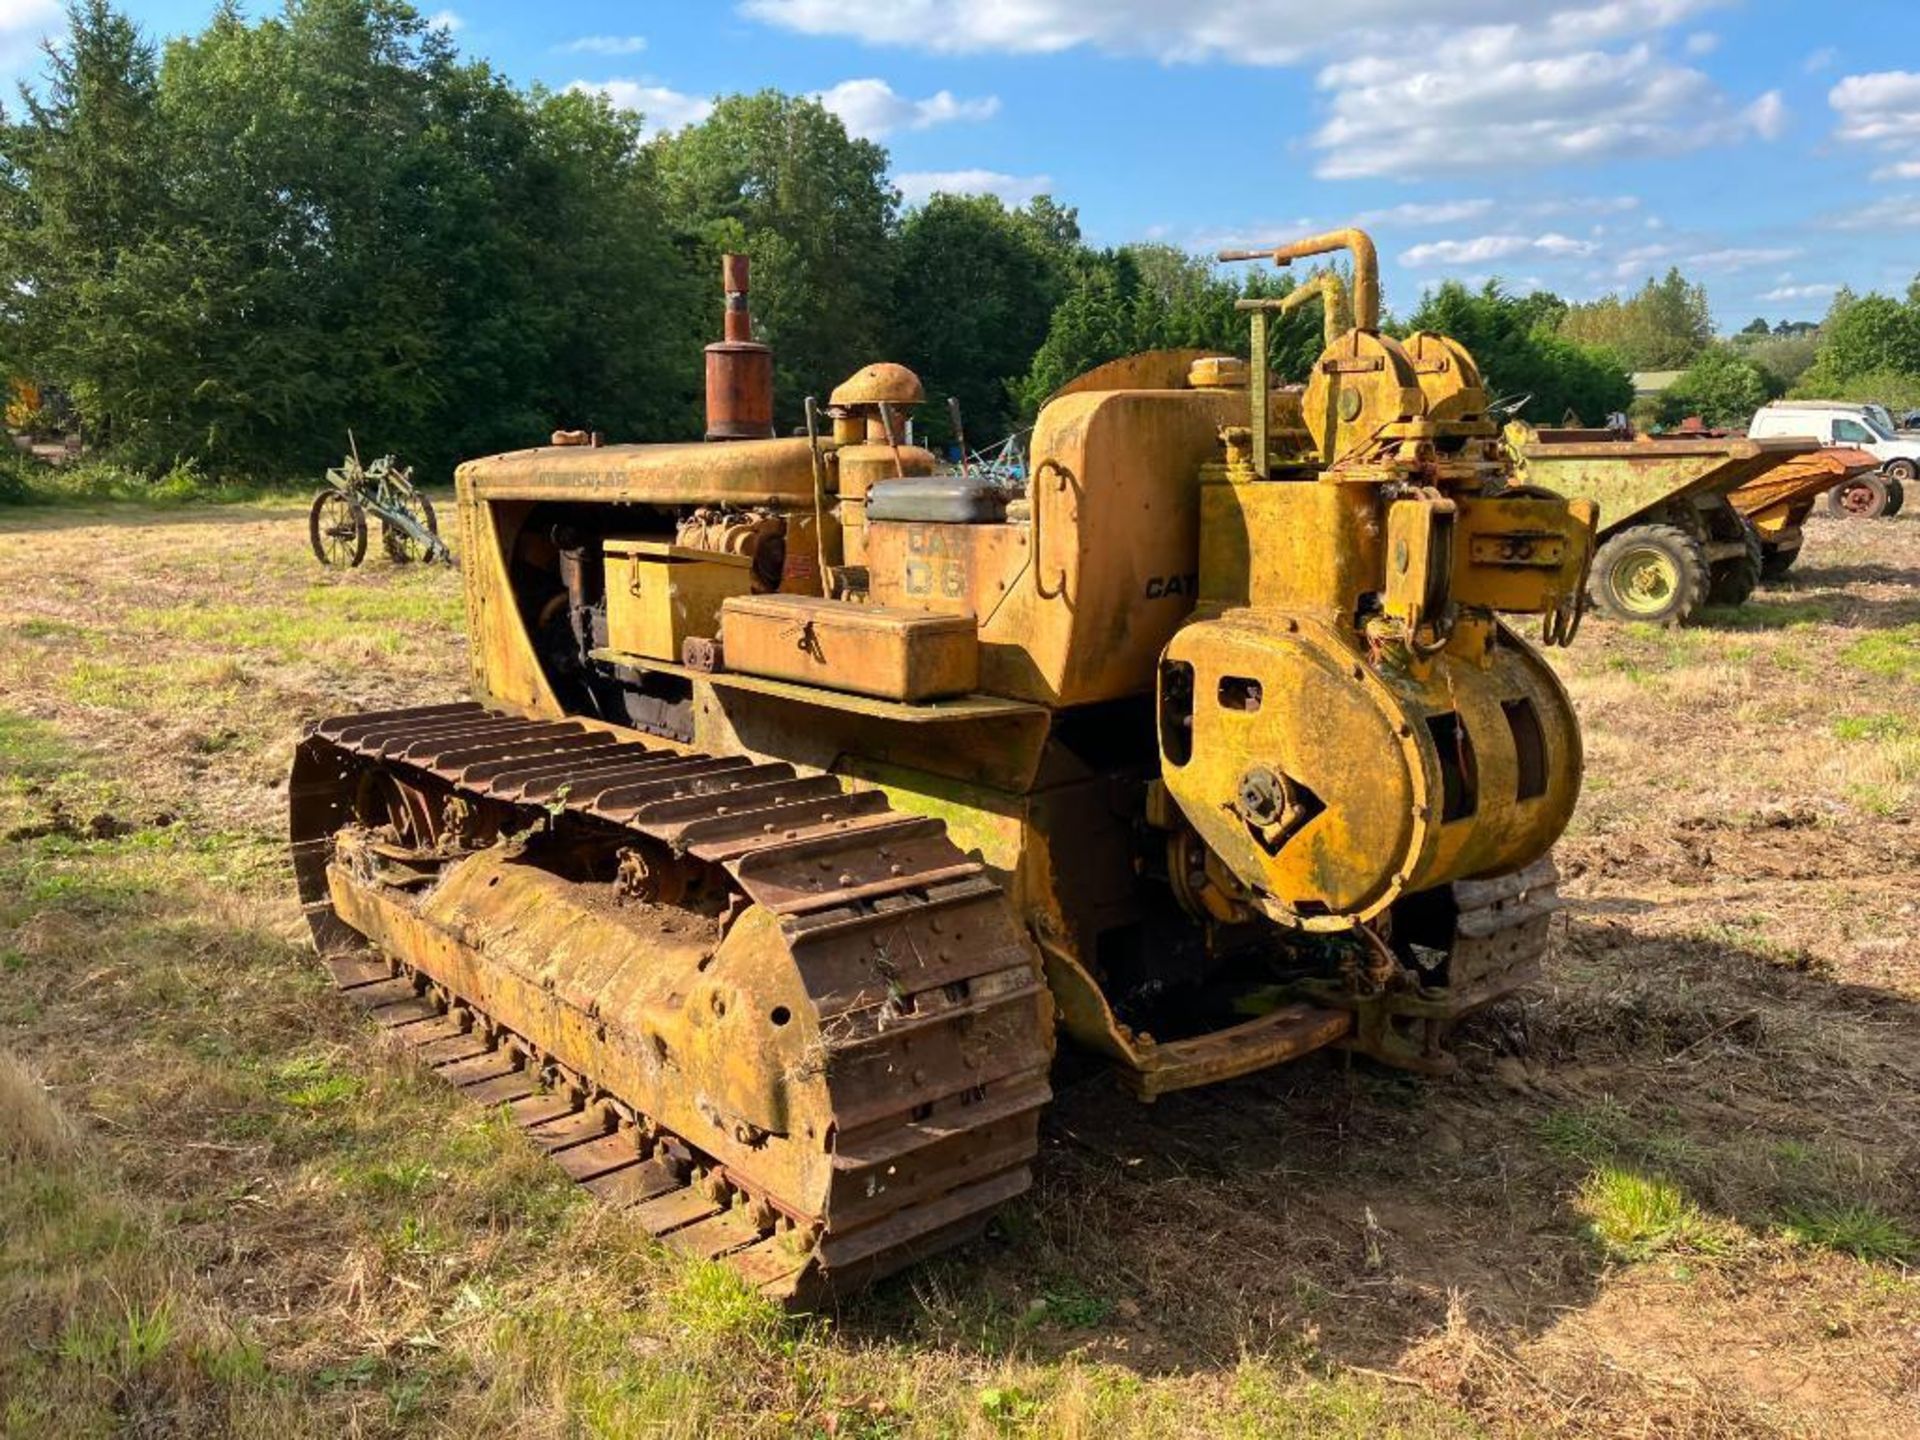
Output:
x,y
1897,487
1860,497
337,530
1732,580
1657,574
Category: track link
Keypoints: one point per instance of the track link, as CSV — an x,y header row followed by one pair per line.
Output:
x,y
927,988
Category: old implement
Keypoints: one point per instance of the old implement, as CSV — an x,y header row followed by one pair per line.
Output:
x,y
1776,502
1669,540
806,791
337,520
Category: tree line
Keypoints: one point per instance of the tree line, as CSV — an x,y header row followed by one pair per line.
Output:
x,y
234,248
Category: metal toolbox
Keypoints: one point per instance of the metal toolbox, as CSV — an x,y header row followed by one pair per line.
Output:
x,y
877,650
659,594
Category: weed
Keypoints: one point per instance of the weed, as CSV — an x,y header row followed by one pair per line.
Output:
x,y
1069,1303
394,1177
1876,727
1635,1215
121,1345
1007,1404
1858,1230
714,1305
1589,1132
310,1082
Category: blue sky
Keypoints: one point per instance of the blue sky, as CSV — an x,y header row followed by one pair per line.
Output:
x,y
1770,148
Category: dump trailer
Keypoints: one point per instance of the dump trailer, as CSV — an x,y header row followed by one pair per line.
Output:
x,y
1669,541
805,793
1776,503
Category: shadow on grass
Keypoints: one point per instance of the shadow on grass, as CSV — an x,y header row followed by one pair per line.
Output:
x,y
1846,611
1338,1209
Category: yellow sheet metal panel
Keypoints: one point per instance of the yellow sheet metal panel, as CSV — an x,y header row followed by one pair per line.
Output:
x,y
1077,600
1521,556
659,595
1273,544
906,655
1334,786
744,472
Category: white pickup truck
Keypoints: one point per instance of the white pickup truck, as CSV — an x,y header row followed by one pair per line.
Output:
x,y
1875,493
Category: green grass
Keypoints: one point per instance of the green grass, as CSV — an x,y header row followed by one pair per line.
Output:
x,y
1761,613
1894,654
1877,727
31,749
1636,1216
1860,1230
1589,1133
95,481
344,619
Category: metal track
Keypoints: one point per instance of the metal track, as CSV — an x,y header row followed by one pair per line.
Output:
x,y
937,1071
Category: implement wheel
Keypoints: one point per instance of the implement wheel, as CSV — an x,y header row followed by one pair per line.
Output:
x,y
1731,581
401,547
1861,497
1652,573
337,529
1898,475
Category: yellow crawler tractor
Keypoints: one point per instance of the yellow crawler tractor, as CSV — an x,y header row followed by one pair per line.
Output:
x,y
807,790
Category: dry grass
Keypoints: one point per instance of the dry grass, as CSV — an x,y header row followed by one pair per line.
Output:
x,y
1670,1194
33,1131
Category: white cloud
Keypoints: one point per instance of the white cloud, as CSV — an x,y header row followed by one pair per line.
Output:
x,y
918,185
1878,109
23,25
448,20
871,109
1818,290
1821,59
1881,110
1702,42
604,45
1251,32
1896,212
1737,258
1767,116
1639,261
1504,97
1485,249
1426,212
1443,85
662,110
1584,205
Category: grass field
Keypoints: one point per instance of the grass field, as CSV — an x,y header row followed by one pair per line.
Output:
x,y
1672,1192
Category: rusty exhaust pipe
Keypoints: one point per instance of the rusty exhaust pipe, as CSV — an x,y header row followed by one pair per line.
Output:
x,y
739,368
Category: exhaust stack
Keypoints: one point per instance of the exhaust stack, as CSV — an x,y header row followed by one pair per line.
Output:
x,y
739,368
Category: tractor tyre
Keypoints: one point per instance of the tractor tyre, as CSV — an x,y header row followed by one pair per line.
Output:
x,y
1731,581
1897,488
1860,497
1657,574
